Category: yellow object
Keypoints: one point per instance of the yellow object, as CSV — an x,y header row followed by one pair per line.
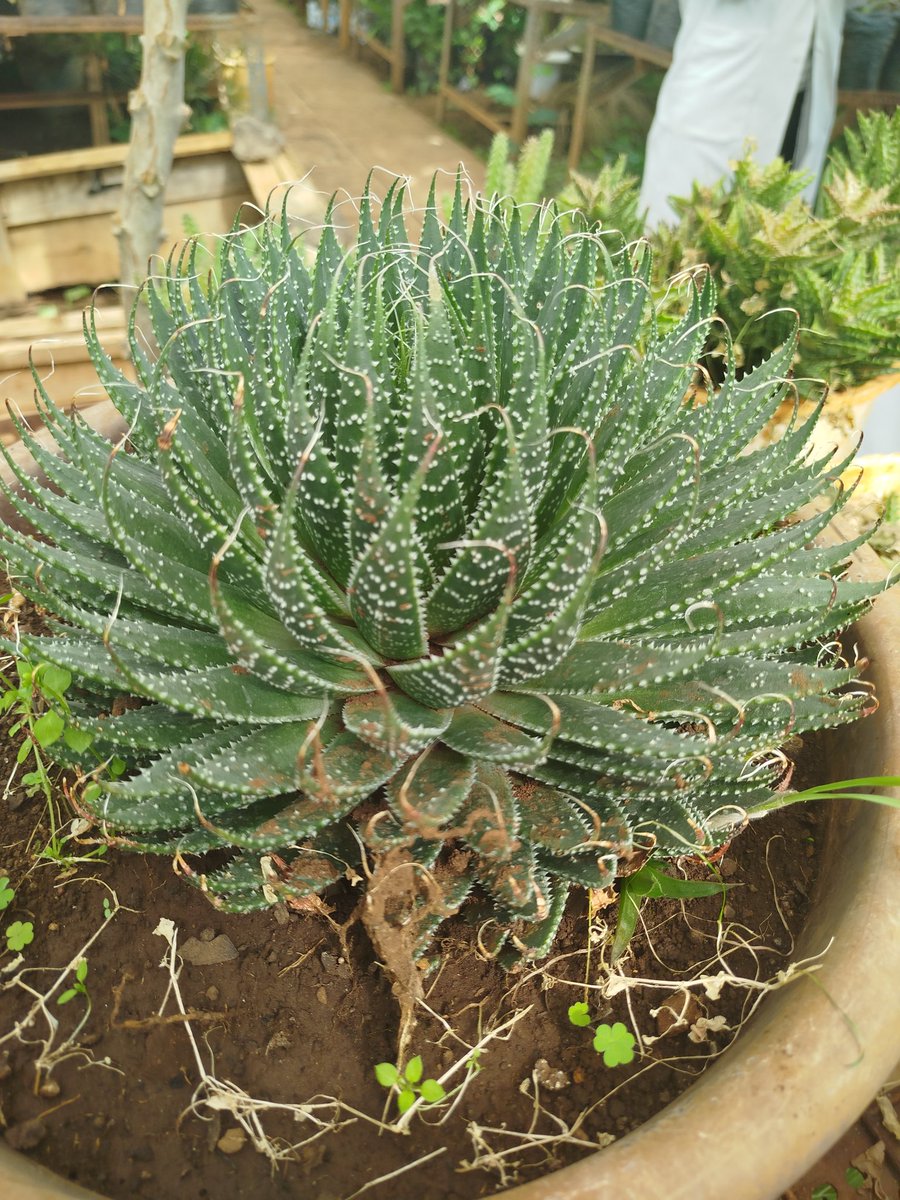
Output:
x,y
880,475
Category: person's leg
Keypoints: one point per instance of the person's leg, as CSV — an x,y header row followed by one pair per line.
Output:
x,y
734,76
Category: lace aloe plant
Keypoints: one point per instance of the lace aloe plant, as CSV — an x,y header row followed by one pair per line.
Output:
x,y
610,198
409,550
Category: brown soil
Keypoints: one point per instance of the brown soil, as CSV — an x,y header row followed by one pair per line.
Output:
x,y
296,1015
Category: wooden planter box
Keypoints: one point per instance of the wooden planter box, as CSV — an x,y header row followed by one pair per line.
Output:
x,y
58,210
57,221
56,345
118,8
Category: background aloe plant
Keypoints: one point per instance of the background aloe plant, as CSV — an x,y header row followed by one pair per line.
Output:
x,y
410,550
837,267
773,256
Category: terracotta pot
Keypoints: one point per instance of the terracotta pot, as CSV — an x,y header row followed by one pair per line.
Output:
x,y
815,1053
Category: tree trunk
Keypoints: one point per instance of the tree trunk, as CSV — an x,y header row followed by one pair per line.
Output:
x,y
157,111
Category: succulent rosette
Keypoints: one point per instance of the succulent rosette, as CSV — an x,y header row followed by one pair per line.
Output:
x,y
426,548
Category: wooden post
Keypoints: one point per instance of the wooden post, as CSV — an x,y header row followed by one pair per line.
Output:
x,y
99,116
444,70
530,42
346,14
398,46
257,84
12,290
157,111
582,99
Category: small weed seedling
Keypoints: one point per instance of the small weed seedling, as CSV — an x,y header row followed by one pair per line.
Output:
x,y
79,987
42,1026
843,789
646,883
38,707
615,1042
409,1083
854,1178
39,711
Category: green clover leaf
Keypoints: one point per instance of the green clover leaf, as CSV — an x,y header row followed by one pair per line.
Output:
x,y
414,1068
406,1099
615,1043
579,1014
6,892
19,935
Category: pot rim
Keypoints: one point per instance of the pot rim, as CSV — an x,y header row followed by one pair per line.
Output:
x,y
817,1050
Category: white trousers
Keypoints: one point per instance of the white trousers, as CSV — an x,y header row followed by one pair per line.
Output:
x,y
737,67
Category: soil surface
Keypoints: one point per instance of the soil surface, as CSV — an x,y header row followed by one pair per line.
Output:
x,y
282,1009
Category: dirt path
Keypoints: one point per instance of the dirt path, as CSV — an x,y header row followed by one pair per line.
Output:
x,y
339,120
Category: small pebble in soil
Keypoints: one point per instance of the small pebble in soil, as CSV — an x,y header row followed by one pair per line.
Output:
x,y
278,1041
207,952
550,1078
207,935
26,1135
212,993
232,1141
727,867
89,1039
335,966
49,1089
321,995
